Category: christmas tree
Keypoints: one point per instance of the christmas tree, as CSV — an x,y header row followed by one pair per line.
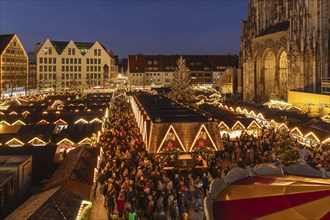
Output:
x,y
181,90
286,149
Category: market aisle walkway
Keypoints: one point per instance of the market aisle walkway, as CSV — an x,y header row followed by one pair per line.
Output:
x,y
98,211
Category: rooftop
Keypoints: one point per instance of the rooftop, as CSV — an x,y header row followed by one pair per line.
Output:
x,y
13,160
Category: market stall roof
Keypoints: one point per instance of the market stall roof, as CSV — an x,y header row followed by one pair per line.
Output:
x,y
281,196
160,107
76,172
56,203
77,132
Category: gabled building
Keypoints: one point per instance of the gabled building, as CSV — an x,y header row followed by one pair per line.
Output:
x,y
285,47
157,70
14,66
69,65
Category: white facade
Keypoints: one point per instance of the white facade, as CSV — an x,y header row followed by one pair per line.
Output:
x,y
74,66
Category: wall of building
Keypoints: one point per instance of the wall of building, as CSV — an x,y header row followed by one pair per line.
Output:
x,y
14,68
302,99
73,69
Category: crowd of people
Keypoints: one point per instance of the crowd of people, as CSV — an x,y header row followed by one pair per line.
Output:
x,y
249,150
135,184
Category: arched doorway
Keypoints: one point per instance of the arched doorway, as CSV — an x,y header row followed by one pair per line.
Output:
x,y
267,79
283,76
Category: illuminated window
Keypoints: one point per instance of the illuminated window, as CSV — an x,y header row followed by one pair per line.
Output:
x,y
45,50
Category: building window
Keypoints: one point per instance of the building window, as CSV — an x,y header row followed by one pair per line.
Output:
x,y
87,61
50,60
75,60
99,68
87,68
45,50
54,76
79,68
50,50
67,68
67,60
99,61
63,76
95,52
45,68
14,43
91,61
54,68
63,60
75,68
73,51
45,77
155,62
54,60
40,76
69,51
50,68
71,60
99,52
71,68
63,68
45,60
79,61
40,60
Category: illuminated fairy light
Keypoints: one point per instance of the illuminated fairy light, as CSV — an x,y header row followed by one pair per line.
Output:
x,y
260,116
296,129
283,125
238,123
176,135
83,203
65,141
253,123
326,141
312,135
238,109
96,120
196,137
3,122
60,122
223,124
43,121
85,141
37,142
13,113
14,142
81,120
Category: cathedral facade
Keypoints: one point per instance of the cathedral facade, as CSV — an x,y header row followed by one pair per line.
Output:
x,y
285,46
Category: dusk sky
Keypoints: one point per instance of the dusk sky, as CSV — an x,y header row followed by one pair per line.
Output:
x,y
130,27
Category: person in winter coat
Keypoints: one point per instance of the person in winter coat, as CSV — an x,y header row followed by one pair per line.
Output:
x,y
121,205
